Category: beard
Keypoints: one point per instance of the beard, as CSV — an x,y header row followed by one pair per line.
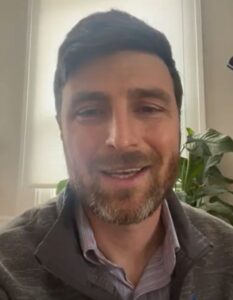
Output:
x,y
125,206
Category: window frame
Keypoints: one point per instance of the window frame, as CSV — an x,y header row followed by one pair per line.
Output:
x,y
194,106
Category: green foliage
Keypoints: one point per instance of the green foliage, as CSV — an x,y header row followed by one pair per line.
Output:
x,y
200,183
61,185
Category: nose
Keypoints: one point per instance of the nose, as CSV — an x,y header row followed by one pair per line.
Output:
x,y
123,131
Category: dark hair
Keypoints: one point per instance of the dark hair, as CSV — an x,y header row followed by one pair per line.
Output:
x,y
107,32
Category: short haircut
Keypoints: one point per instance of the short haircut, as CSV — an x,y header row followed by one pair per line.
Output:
x,y
105,33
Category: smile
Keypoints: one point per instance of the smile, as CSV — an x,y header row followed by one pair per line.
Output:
x,y
123,174
124,178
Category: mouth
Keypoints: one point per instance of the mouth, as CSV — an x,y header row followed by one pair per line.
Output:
x,y
123,173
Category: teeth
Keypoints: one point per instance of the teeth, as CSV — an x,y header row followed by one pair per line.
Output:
x,y
124,173
127,171
122,176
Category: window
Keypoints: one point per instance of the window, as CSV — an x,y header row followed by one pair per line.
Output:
x,y
42,161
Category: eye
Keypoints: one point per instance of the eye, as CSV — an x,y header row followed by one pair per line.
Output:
x,y
90,114
149,109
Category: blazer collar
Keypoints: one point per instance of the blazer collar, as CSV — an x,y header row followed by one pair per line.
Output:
x,y
59,252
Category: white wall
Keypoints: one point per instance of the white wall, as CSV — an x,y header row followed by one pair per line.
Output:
x,y
13,28
217,22
217,19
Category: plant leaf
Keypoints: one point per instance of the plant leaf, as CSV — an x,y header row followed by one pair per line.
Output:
x,y
211,162
193,174
182,167
217,142
190,131
61,185
215,176
212,191
197,146
200,182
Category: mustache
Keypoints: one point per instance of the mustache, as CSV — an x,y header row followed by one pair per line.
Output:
x,y
126,160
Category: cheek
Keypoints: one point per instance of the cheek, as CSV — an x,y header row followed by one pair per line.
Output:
x,y
164,139
81,146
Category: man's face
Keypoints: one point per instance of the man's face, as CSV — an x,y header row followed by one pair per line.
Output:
x,y
120,129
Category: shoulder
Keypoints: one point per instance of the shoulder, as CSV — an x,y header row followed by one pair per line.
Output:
x,y
27,230
20,272
217,231
214,264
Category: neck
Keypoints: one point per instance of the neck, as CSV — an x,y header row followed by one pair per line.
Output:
x,y
126,244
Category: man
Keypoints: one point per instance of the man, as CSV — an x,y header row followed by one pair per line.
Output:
x,y
117,231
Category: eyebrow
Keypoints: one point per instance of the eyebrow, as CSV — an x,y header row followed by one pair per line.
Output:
x,y
132,94
158,93
82,97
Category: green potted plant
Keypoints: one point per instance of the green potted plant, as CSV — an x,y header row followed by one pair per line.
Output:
x,y
200,182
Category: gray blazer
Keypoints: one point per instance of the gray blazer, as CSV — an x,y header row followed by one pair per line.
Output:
x,y
40,257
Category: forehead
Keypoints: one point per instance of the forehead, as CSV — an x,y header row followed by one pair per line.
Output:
x,y
120,72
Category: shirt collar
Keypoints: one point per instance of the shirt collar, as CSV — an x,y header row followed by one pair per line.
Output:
x,y
87,239
93,254
171,243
